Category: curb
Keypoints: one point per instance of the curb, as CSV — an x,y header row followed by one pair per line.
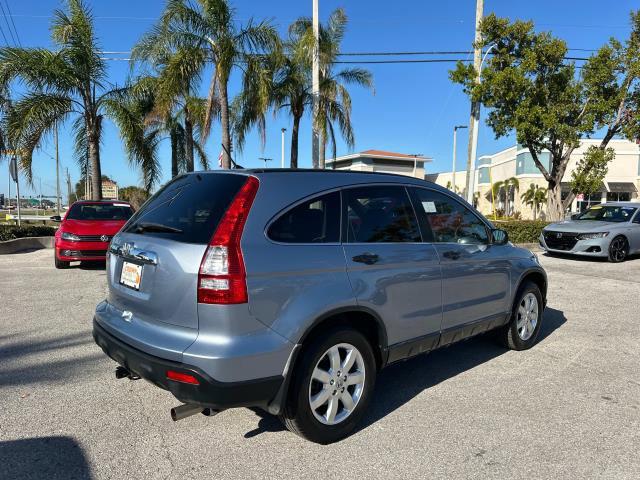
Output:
x,y
29,243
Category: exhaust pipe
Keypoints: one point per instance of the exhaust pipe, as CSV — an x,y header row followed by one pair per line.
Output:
x,y
184,411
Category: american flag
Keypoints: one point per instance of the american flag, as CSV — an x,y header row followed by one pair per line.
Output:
x,y
220,158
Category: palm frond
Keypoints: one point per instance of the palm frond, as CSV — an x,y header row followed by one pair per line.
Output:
x,y
31,118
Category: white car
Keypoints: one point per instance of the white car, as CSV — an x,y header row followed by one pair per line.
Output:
x,y
610,230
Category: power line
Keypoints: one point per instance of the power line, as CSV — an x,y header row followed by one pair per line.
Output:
x,y
13,23
4,36
15,43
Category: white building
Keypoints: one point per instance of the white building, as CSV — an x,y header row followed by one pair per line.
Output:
x,y
621,183
381,161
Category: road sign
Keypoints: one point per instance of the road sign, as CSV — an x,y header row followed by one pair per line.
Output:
x,y
13,169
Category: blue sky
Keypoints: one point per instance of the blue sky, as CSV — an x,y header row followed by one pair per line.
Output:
x,y
414,107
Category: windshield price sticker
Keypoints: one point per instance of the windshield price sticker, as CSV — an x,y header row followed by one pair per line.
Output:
x,y
429,207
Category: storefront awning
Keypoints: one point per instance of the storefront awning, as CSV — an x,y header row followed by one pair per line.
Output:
x,y
621,187
566,187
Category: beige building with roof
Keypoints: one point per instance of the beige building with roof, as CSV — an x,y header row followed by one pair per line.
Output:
x,y
381,161
621,183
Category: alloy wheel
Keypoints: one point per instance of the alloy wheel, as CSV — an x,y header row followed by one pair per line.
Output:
x,y
527,316
337,384
618,249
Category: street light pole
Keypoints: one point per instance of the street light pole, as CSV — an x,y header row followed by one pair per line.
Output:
x,y
282,157
453,172
265,160
475,106
315,85
55,131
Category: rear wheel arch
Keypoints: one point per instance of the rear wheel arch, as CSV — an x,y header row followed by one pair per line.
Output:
x,y
362,319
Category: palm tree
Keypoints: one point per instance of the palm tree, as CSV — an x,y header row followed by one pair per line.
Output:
x,y
201,33
334,101
70,80
496,193
535,197
511,186
143,126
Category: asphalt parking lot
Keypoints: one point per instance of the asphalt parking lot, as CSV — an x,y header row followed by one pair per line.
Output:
x,y
568,408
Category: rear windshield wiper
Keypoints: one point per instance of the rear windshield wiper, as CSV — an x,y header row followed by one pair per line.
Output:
x,y
142,227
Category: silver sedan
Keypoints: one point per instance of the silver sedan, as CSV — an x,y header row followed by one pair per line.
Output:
x,y
610,230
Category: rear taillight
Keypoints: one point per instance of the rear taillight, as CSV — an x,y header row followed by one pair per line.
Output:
x,y
222,278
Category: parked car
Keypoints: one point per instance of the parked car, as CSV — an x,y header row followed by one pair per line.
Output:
x,y
609,230
86,230
289,290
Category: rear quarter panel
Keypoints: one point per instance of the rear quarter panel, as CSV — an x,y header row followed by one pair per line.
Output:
x,y
292,285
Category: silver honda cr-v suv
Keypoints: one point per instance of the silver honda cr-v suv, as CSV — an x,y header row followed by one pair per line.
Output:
x,y
289,290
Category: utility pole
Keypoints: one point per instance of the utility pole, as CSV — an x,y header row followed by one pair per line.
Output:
x,y
282,159
55,132
315,85
69,187
14,173
453,172
474,119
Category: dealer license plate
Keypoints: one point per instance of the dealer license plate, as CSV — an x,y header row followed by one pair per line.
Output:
x,y
131,275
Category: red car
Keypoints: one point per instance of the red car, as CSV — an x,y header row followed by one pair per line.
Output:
x,y
86,230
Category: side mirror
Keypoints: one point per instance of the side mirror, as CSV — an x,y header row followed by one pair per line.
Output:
x,y
500,237
55,218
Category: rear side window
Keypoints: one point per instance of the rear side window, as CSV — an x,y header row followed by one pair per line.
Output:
x,y
313,221
191,205
99,211
380,214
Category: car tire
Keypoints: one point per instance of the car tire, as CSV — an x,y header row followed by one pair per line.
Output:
x,y
316,424
618,249
59,263
522,330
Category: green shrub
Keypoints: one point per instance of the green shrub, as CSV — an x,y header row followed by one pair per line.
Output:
x,y
522,231
9,232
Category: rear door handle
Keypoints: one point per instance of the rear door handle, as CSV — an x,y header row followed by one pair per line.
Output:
x,y
452,255
366,258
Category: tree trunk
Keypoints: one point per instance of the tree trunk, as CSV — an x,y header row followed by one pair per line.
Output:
x,y
294,141
93,143
322,150
555,209
188,133
224,123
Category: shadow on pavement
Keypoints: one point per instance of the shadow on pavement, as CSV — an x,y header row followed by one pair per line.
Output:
x,y
91,265
400,383
43,457
26,346
16,368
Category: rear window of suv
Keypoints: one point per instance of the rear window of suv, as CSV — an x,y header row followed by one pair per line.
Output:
x,y
190,205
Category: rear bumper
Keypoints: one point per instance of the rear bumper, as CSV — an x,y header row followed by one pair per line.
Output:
x,y
209,393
